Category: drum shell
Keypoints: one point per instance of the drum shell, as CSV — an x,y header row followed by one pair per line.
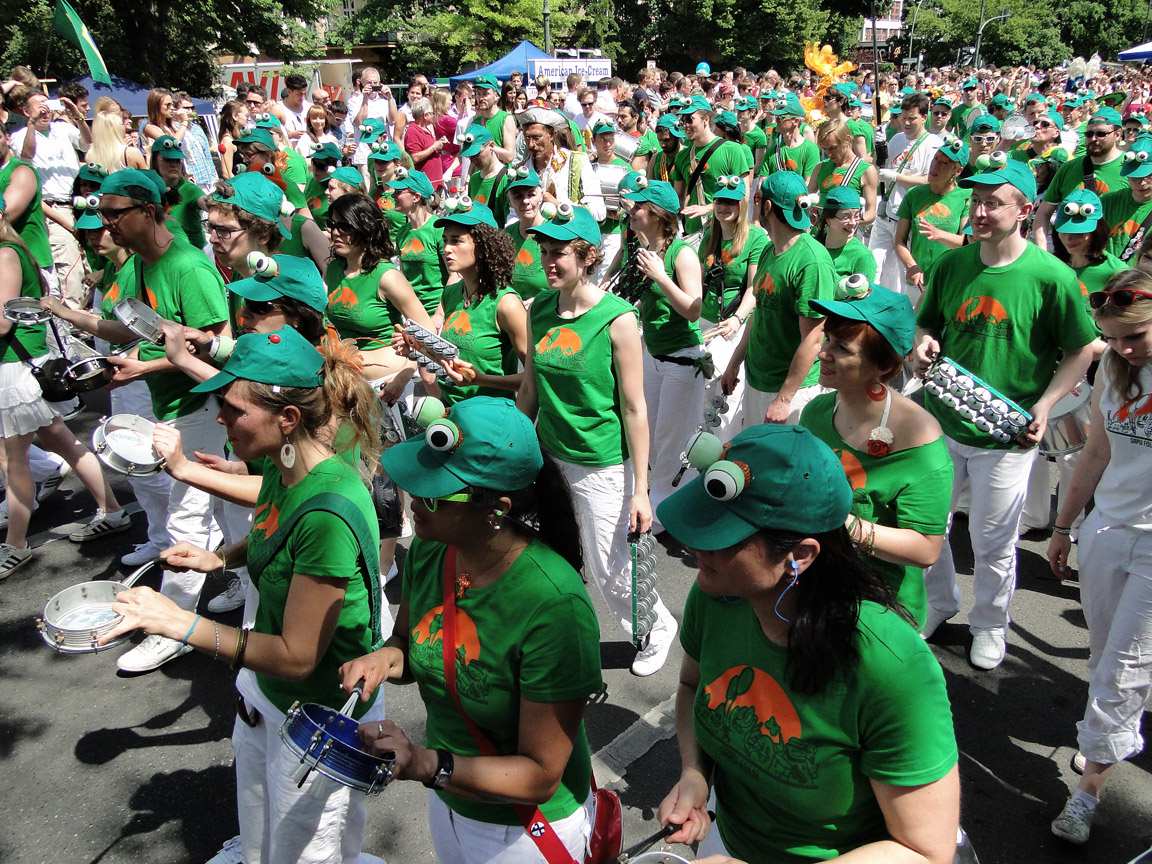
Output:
x,y
626,146
26,311
108,455
309,729
88,374
610,177
1067,429
53,626
140,318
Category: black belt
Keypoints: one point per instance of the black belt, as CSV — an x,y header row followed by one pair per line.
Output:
x,y
252,718
57,202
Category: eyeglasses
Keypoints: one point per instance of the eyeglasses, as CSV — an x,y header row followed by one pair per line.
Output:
x,y
222,231
847,216
983,139
458,498
1088,133
1122,297
341,226
261,307
1044,125
990,207
115,214
941,113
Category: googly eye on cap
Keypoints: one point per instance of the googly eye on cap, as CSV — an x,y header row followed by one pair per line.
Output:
x,y
443,435
469,138
983,162
1087,209
264,265
1071,208
1130,156
239,169
564,212
317,147
170,144
1141,155
521,173
854,287
464,203
450,205
286,207
703,450
427,410
268,168
365,128
401,173
641,182
806,202
548,210
726,479
998,159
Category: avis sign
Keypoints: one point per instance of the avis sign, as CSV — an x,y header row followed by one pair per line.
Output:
x,y
559,68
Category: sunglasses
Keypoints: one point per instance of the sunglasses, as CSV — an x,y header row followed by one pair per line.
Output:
x,y
115,214
255,102
1090,134
587,104
982,139
341,226
262,307
458,498
1044,125
1121,297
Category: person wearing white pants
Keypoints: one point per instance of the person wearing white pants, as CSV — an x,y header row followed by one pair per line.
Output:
x,y
152,491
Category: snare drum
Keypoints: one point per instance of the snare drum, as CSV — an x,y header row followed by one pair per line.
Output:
x,y
1067,429
610,177
123,442
141,319
26,311
326,741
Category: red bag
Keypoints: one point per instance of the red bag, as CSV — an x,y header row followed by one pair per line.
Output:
x,y
608,828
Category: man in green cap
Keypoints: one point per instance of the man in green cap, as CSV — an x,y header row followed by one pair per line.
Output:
x,y
182,285
499,124
1072,110
789,149
981,310
487,178
1098,170
968,110
983,138
698,166
999,107
778,351
1128,212
611,226
662,166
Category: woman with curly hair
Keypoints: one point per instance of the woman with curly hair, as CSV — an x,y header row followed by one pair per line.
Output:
x,y
482,313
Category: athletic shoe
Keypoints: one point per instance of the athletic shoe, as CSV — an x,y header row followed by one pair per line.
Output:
x,y
103,525
230,853
4,512
988,650
151,654
11,558
1075,820
51,484
933,620
142,554
1079,762
652,656
233,598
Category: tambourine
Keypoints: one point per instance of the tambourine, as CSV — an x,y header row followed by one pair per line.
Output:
x,y
25,311
976,401
123,442
76,618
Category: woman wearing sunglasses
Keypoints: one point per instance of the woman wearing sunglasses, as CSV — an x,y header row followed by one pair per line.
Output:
x,y
496,628
419,241
1115,545
807,704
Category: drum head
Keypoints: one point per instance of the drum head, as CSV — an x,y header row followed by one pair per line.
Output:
x,y
124,443
25,310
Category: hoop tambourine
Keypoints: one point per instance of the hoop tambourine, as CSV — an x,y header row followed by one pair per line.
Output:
x,y
77,618
123,442
141,319
25,311
326,741
976,401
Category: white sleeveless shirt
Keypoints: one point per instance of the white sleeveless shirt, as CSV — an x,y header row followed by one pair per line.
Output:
x,y
1124,493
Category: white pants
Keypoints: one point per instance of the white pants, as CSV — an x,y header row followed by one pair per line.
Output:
x,y
321,823
1116,592
722,349
71,266
1038,501
889,270
999,480
602,499
609,245
674,395
153,490
190,510
756,404
44,463
460,840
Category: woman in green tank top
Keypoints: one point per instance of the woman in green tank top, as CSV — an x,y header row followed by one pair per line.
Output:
x,y
836,229
526,197
420,242
182,195
835,139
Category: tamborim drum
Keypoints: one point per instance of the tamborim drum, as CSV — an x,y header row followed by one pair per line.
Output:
x,y
140,318
658,858
77,618
25,310
626,146
325,740
88,374
1067,429
610,177
123,442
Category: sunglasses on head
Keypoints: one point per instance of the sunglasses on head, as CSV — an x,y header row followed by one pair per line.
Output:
x,y
1121,297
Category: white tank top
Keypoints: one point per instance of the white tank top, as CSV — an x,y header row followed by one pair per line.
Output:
x,y
1122,495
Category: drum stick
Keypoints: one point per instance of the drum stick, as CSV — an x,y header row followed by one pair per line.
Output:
x,y
356,693
631,851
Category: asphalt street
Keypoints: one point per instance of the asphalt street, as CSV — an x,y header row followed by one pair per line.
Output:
x,y
102,767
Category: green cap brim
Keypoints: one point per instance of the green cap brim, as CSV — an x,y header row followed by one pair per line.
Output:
x,y
1076,225
217,382
699,521
1140,169
465,219
727,194
419,470
560,232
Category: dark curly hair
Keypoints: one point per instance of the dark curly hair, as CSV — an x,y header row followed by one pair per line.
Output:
x,y
368,228
494,260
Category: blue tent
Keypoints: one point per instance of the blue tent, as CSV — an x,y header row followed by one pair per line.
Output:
x,y
132,96
1139,52
515,60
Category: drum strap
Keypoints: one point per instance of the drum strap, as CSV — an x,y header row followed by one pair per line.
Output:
x,y
700,165
1136,239
530,817
340,506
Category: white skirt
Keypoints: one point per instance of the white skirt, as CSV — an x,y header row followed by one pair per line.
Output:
x,y
23,408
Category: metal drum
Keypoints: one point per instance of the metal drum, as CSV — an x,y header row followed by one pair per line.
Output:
x,y
1067,429
325,740
626,146
88,374
141,319
658,858
610,177
25,310
123,442
77,618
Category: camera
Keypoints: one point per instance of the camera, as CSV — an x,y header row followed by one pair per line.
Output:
x,y
377,87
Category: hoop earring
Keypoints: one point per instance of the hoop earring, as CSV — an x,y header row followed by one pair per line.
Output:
x,y
287,454
795,577
877,392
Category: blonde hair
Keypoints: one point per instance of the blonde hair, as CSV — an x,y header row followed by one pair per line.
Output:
x,y
715,237
107,148
837,129
1123,377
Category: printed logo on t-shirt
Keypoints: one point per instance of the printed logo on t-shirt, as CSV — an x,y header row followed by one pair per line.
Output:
x,y
149,297
752,717
343,296
413,246
561,347
1134,419
427,646
270,522
765,287
939,210
386,203
983,316
458,329
524,258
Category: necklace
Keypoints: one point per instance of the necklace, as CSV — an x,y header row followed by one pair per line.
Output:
x,y
464,578
880,438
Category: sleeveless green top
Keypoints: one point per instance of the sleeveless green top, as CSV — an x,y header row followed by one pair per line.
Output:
x,y
393,218
665,330
30,225
476,332
579,418
316,197
829,176
355,307
29,337
527,272
294,245
495,125
421,253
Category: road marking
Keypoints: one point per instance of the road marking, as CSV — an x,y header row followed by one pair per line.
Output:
x,y
60,532
611,762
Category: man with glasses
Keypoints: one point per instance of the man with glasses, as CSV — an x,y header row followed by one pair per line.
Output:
x,y
254,100
1048,126
984,138
589,116
788,149
1101,163
1010,313
941,114
196,146
697,166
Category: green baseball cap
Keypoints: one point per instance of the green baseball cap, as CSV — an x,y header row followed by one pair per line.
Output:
x,y
1000,101
487,81
764,473
417,181
790,108
284,358
969,84
907,91
729,187
1079,212
601,127
167,147
789,194
1138,158
279,276
696,103
464,211
90,172
267,120
942,100
256,194
1106,115
569,223
258,138
657,193
474,140
984,123
327,150
1073,101
131,182
957,150
483,442
351,176
371,129
384,151
89,208
843,198
630,182
727,119
1055,117
1035,97
889,312
523,177
1012,172
745,103
895,109
668,121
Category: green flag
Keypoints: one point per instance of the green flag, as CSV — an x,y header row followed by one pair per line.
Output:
x,y
68,24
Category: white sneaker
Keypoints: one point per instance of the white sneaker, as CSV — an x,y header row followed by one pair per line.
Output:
x,y
933,620
51,484
230,853
652,656
103,525
4,512
11,558
151,654
1075,820
988,650
142,554
1079,762
226,601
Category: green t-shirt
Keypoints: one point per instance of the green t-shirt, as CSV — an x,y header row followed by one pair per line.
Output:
x,y
480,190
1124,218
906,489
853,257
720,294
495,125
946,212
963,117
31,338
579,420
527,272
785,283
664,166
756,141
393,218
648,143
727,159
294,244
322,545
30,225
829,175
297,169
476,332
801,159
869,134
316,197
355,306
1070,177
793,770
188,214
532,634
1095,276
422,261
116,286
1006,325
185,287
665,329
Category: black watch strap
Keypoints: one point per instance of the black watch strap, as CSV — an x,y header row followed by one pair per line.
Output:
x,y
444,765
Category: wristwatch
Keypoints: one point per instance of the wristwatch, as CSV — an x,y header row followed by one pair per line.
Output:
x,y
444,767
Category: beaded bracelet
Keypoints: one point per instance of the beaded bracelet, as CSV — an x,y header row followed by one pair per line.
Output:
x,y
1056,529
216,630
